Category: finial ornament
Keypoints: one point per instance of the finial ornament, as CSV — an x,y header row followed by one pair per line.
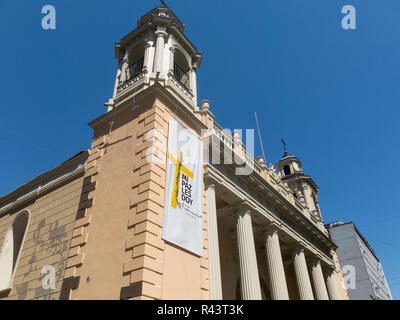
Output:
x,y
284,147
163,3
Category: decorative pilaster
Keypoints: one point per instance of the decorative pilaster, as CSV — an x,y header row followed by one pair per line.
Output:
x,y
213,245
331,285
193,85
276,271
146,59
250,282
124,67
307,197
318,279
161,34
302,276
171,60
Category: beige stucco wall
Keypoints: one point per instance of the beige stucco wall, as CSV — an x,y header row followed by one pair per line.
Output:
x,y
47,241
122,245
339,277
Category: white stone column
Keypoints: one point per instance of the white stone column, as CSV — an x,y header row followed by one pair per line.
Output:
x,y
171,59
331,285
124,67
193,84
276,271
307,197
302,276
250,281
160,44
117,81
318,279
213,244
146,60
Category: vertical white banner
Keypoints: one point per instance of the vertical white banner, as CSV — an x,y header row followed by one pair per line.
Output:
x,y
183,208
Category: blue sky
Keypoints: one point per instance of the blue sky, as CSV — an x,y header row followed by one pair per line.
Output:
x,y
333,94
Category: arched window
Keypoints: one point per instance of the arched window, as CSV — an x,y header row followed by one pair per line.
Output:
x,y
182,69
286,170
136,60
11,249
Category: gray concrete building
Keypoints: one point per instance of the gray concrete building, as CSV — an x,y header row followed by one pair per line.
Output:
x,y
362,271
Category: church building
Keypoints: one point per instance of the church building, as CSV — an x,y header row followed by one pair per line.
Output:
x,y
166,204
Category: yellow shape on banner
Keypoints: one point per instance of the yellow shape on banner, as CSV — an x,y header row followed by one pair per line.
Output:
x,y
179,167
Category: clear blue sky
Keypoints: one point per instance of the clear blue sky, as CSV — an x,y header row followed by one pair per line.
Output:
x,y
333,94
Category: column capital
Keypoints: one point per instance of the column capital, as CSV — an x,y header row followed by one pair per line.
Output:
x,y
299,246
243,206
330,269
316,259
161,31
274,226
210,183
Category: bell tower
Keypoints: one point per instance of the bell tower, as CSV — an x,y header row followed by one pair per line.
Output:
x,y
303,188
157,51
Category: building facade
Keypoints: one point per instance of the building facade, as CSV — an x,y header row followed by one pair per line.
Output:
x,y
262,235
366,279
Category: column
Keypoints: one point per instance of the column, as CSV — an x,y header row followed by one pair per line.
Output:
x,y
213,245
250,281
307,197
160,43
124,66
276,271
318,279
171,60
193,85
117,81
146,60
302,276
331,285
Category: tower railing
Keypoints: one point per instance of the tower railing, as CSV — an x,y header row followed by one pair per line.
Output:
x,y
133,73
180,73
135,68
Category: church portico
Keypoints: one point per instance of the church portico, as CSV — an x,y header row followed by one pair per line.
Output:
x,y
260,254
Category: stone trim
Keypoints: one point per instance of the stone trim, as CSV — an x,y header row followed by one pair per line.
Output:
x,y
145,269
132,291
76,256
67,286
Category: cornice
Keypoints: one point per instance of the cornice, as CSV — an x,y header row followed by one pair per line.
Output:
x,y
213,173
22,196
155,91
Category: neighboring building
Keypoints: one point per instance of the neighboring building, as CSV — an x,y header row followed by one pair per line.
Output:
x,y
364,273
261,232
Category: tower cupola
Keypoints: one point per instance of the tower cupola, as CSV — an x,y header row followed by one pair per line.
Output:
x,y
302,186
157,51
289,165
